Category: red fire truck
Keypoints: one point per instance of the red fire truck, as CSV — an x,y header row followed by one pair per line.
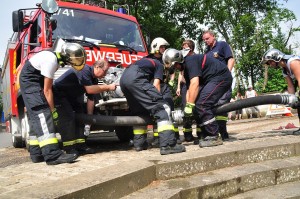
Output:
x,y
105,33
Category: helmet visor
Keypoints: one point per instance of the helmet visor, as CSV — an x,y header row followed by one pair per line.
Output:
x,y
77,62
171,57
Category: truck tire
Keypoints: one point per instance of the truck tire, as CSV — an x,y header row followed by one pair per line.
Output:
x,y
124,133
17,141
25,128
16,135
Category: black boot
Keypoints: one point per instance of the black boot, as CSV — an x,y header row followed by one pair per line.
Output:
x,y
36,154
178,141
223,129
225,136
155,142
178,148
143,147
210,141
84,149
71,150
63,158
140,142
201,134
188,137
37,159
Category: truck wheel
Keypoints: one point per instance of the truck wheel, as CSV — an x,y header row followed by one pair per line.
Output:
x,y
16,135
124,133
17,141
25,128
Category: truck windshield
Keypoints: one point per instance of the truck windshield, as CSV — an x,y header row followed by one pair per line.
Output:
x,y
97,28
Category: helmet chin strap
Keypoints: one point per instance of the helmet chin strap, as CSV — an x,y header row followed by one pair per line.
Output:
x,y
277,65
60,59
181,66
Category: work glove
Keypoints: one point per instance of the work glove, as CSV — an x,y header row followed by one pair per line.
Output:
x,y
87,130
171,83
188,110
55,117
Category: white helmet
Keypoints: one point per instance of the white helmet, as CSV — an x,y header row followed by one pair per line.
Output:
x,y
272,54
172,56
156,43
73,54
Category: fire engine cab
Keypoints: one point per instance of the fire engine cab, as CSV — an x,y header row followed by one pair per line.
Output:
x,y
110,34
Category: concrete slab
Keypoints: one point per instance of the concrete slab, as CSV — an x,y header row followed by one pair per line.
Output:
x,y
121,171
283,191
225,182
92,177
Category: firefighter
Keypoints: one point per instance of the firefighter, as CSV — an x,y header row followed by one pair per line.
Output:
x,y
69,90
290,66
140,84
158,47
181,90
223,52
36,80
207,79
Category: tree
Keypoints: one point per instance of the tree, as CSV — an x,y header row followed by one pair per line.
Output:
x,y
250,28
153,19
275,84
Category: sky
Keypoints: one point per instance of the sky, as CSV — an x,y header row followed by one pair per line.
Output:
x,y
8,6
293,5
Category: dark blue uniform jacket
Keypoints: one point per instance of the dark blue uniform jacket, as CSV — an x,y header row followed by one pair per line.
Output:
x,y
209,70
71,83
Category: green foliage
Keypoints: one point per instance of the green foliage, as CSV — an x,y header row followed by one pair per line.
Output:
x,y
153,17
251,28
275,83
177,99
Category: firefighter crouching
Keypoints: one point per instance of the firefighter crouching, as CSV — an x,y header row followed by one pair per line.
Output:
x,y
207,79
144,98
69,90
158,47
36,81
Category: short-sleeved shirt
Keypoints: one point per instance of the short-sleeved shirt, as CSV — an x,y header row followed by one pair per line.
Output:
x,y
221,51
250,94
212,70
152,68
72,82
288,71
166,72
46,62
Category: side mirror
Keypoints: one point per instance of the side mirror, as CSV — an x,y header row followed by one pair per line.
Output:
x,y
147,38
17,21
49,6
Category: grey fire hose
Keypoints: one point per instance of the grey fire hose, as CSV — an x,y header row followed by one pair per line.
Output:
x,y
178,115
104,120
255,101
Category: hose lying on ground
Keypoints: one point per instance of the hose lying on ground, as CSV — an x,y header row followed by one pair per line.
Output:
x,y
255,101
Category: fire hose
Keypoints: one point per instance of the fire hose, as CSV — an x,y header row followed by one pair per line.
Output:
x,y
178,115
